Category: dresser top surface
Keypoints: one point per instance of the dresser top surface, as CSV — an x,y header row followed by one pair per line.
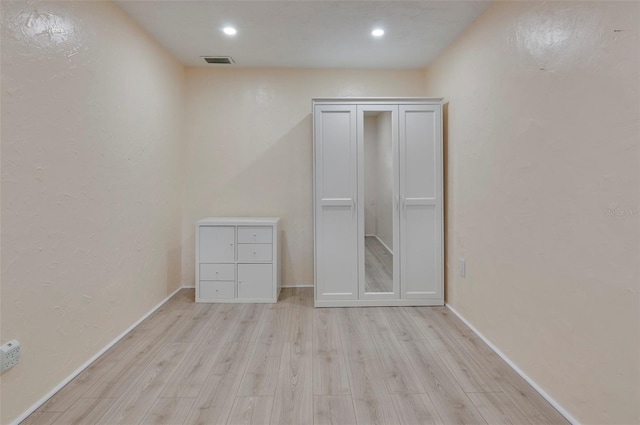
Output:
x,y
240,220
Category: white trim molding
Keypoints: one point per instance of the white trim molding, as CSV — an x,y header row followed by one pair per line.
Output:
x,y
308,285
515,367
76,372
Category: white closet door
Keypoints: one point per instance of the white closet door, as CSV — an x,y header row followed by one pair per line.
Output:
x,y
336,229
421,201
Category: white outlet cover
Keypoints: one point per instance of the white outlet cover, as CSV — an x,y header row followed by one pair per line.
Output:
x,y
461,267
9,355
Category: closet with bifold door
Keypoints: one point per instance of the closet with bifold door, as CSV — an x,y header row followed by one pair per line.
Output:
x,y
378,206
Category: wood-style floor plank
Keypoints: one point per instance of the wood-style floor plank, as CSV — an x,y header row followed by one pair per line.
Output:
x,y
522,395
467,372
398,372
247,327
300,317
371,399
402,324
261,375
85,411
79,385
275,323
133,405
451,323
497,408
288,363
375,409
41,417
470,376
193,371
216,398
293,401
333,410
429,328
415,409
131,366
251,411
221,324
329,364
168,411
193,328
450,401
164,323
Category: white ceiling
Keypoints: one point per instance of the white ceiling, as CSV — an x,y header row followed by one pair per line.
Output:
x,y
311,34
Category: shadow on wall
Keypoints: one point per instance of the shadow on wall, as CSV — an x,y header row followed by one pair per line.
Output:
x,y
445,192
276,182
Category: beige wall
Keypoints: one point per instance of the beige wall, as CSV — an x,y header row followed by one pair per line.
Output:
x,y
248,136
543,141
91,185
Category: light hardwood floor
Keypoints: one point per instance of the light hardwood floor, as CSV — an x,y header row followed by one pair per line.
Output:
x,y
378,266
288,363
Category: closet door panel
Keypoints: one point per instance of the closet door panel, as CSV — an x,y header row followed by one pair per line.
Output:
x,y
419,255
421,201
420,166
335,202
336,152
338,252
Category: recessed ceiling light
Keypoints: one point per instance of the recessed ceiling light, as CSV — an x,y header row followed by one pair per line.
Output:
x,y
378,32
229,30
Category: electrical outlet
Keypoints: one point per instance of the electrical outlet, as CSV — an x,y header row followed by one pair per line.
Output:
x,y
461,267
9,355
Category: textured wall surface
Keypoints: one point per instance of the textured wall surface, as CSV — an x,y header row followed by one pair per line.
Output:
x,y
91,185
249,148
542,194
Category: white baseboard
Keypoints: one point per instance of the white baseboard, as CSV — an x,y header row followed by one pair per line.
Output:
x,y
384,244
298,286
519,371
76,372
380,240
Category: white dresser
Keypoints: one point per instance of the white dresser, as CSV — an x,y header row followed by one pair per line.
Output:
x,y
237,260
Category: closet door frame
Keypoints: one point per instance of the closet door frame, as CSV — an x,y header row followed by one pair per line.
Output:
x,y
354,302
395,294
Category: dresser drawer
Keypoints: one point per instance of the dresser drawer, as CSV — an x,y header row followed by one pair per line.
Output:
x,y
212,290
255,234
217,271
255,253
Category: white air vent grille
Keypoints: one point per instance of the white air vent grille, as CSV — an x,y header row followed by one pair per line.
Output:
x,y
218,59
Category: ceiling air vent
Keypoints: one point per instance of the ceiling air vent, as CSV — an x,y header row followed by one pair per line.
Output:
x,y
218,59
